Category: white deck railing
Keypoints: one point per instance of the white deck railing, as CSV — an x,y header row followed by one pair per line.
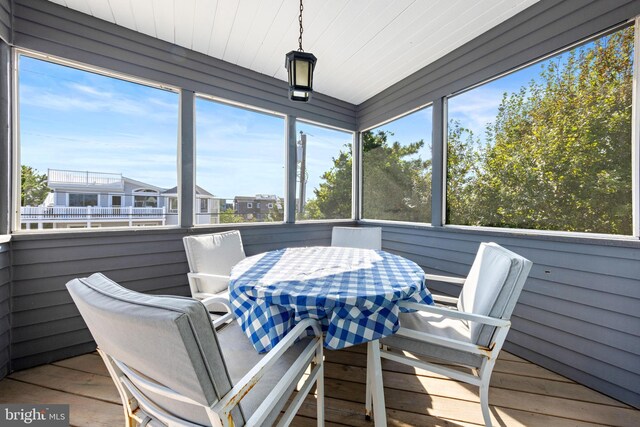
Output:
x,y
82,177
88,213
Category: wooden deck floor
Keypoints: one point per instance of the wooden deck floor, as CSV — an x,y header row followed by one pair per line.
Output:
x,y
522,394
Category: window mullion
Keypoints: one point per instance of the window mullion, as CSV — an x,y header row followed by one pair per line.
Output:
x,y
635,132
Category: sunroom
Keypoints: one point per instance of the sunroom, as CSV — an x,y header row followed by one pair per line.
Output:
x,y
436,138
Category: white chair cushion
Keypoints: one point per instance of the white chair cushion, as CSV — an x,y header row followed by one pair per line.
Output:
x,y
357,237
438,326
168,339
492,287
214,254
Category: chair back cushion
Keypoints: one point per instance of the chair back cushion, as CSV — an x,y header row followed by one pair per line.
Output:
x,y
215,253
168,339
357,237
492,287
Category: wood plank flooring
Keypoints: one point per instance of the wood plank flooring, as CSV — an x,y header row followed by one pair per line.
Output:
x,y
522,394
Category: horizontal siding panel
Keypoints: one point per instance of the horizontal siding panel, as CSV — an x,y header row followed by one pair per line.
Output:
x,y
178,284
43,330
52,355
602,361
42,315
47,27
5,26
612,320
5,308
50,343
5,259
578,367
47,324
47,284
598,334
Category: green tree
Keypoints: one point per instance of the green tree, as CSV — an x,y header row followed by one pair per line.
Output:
x,y
33,186
396,182
558,153
333,196
228,216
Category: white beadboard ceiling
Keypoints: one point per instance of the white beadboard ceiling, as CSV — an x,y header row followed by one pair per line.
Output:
x,y
362,46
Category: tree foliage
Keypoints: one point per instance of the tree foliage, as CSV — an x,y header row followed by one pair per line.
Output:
x,y
229,216
396,182
558,153
556,157
33,186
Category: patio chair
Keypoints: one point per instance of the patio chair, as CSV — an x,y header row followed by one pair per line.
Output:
x,y
469,332
172,368
211,258
357,237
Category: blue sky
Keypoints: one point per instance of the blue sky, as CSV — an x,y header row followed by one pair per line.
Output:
x,y
72,119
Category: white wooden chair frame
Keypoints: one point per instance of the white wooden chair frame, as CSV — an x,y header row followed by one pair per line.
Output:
x,y
480,377
138,409
220,300
193,284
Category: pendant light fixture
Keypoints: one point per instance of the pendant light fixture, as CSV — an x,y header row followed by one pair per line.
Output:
x,y
300,65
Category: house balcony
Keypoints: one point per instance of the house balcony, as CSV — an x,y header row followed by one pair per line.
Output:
x,y
97,181
89,214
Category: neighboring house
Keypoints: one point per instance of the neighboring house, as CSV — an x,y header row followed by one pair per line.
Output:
x,y
95,199
206,207
257,207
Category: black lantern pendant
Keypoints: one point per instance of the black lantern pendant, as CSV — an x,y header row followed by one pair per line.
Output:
x,y
300,65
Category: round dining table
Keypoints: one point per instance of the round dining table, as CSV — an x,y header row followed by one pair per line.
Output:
x,y
354,293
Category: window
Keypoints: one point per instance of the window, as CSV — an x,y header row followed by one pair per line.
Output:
x,y
547,147
324,174
396,167
239,154
270,206
173,204
258,205
204,205
82,200
80,131
145,201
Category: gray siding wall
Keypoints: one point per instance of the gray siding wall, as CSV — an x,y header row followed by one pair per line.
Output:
x,y
5,20
5,307
46,325
543,28
47,27
578,313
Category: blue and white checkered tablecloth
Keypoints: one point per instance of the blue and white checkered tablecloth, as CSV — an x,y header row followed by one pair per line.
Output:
x,y
353,292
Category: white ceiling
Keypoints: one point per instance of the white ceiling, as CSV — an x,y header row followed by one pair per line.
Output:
x,y
362,46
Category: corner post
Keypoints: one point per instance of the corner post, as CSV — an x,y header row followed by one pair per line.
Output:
x,y
439,163
186,158
290,170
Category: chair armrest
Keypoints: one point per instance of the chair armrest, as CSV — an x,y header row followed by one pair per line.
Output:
x,y
246,383
217,299
447,279
445,299
453,314
208,276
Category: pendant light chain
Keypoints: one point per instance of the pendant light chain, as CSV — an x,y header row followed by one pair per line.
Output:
x,y
301,29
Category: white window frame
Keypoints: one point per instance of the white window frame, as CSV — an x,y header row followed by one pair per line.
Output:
x,y
15,223
249,205
360,170
635,142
